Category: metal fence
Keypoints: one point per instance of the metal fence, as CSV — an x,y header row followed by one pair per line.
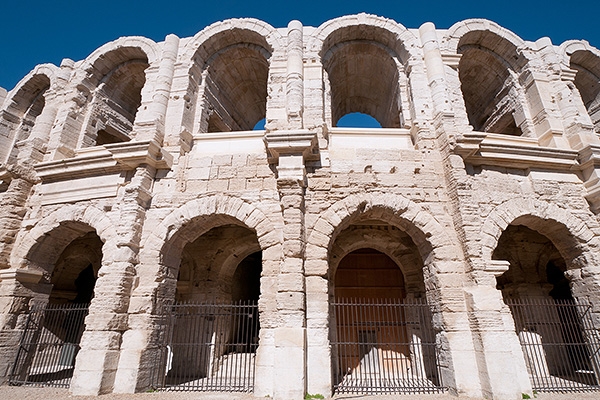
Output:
x,y
208,347
48,345
384,346
560,343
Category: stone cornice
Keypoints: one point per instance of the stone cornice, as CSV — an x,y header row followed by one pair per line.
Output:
x,y
105,159
479,148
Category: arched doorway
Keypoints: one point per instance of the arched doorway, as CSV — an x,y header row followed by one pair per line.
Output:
x,y
70,257
555,331
383,341
214,323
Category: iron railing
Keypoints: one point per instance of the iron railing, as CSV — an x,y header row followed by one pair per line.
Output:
x,y
384,346
48,345
208,347
560,343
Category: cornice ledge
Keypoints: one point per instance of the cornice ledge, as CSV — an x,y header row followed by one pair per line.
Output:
x,y
478,148
105,159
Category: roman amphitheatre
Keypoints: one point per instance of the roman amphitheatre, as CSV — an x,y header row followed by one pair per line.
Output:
x,y
191,214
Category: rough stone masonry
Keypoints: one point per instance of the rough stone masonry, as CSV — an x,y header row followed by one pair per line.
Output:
x,y
144,170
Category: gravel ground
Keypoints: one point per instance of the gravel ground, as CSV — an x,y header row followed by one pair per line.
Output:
x,y
37,393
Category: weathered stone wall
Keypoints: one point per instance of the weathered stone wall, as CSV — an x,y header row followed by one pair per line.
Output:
x,y
148,149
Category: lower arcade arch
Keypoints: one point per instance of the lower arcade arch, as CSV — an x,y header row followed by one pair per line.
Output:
x,y
214,323
382,335
69,257
554,327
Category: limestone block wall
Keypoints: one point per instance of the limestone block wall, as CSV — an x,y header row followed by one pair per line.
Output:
x,y
153,154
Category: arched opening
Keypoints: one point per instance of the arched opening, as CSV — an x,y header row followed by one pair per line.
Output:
x,y
235,88
365,76
550,325
19,118
587,81
383,340
117,97
71,256
490,88
74,276
214,321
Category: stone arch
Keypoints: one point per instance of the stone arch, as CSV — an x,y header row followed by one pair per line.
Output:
x,y
22,106
457,32
80,215
390,242
584,58
216,210
106,57
38,80
567,48
572,236
439,255
489,71
228,64
365,60
217,36
386,31
112,82
427,233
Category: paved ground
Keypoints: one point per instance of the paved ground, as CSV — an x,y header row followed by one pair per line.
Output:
x,y
34,393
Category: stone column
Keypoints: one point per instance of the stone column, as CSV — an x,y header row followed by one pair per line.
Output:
x,y
32,149
502,370
150,122
97,362
294,84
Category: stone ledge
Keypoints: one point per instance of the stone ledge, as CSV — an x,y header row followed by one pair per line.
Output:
x,y
105,159
478,148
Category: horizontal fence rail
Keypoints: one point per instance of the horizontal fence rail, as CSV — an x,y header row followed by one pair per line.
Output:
x,y
208,347
49,345
384,346
560,344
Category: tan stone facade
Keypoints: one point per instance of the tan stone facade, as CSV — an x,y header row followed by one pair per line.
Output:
x,y
141,162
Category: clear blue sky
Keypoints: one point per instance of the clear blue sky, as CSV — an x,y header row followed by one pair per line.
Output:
x,y
35,32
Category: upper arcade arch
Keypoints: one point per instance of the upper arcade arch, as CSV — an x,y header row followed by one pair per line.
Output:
x,y
386,31
473,31
41,78
228,66
585,59
365,58
489,72
110,88
104,59
22,107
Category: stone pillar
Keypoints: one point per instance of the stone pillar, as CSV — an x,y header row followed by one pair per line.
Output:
x,y
15,301
289,337
294,85
32,149
150,122
502,370
98,360
435,67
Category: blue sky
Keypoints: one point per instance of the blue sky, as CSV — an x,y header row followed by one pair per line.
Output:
x,y
35,32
